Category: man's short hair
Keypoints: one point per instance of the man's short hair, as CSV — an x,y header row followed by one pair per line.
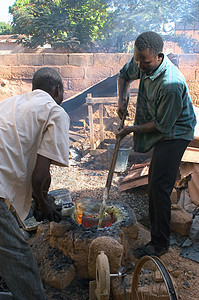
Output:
x,y
46,79
151,40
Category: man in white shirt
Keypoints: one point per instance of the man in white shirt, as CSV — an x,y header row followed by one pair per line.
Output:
x,y
34,133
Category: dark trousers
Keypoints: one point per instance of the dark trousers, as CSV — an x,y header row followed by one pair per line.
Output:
x,y
163,171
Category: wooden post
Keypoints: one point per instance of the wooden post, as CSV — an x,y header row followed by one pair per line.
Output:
x,y
90,117
101,123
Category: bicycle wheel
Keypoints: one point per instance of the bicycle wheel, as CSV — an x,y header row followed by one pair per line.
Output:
x,y
102,277
151,281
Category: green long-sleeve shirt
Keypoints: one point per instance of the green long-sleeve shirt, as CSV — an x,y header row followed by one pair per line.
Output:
x,y
163,97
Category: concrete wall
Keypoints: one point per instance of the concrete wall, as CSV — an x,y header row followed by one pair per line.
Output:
x,y
79,71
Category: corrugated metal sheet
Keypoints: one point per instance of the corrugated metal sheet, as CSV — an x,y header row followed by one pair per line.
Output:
x,y
138,176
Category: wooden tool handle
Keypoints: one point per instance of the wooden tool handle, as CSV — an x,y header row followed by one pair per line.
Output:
x,y
115,153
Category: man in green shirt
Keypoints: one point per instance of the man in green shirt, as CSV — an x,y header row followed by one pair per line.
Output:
x,y
164,121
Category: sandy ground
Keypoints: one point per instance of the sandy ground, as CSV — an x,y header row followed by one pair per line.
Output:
x,y
87,179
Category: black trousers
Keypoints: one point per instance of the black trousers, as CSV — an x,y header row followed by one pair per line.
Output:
x,y
163,171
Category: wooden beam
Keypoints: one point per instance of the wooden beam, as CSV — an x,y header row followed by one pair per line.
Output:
x,y
99,100
101,122
106,100
90,116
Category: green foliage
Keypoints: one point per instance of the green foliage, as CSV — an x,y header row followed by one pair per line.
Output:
x,y
135,16
61,23
5,28
97,25
188,44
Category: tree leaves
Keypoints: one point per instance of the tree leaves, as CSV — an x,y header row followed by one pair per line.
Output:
x,y
96,25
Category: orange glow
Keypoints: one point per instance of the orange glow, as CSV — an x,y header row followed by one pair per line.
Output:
x,y
90,220
78,218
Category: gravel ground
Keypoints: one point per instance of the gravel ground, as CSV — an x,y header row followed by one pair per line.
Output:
x,y
87,179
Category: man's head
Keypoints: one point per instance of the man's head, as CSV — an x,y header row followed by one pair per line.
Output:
x,y
48,80
148,51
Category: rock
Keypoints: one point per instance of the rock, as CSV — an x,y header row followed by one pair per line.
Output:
x,y
111,247
174,196
180,221
60,278
58,229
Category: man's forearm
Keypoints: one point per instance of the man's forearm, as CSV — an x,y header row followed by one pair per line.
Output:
x,y
122,89
41,179
147,127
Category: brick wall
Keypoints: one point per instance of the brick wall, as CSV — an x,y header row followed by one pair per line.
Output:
x,y
79,71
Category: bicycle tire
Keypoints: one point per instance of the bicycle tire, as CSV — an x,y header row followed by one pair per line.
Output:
x,y
143,288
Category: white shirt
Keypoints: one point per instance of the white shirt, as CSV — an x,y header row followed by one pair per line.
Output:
x,y
30,124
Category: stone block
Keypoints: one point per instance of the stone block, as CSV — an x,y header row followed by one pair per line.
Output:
x,y
197,75
98,72
113,250
72,72
130,231
5,72
115,70
123,58
9,60
106,59
189,73
188,60
30,59
55,59
174,196
180,221
80,256
58,229
79,59
92,288
78,85
22,72
58,279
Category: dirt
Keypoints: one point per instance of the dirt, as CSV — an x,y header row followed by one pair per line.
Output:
x,y
87,178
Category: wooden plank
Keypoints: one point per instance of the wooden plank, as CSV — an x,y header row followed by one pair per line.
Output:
x,y
107,100
101,100
138,176
194,143
191,155
136,183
